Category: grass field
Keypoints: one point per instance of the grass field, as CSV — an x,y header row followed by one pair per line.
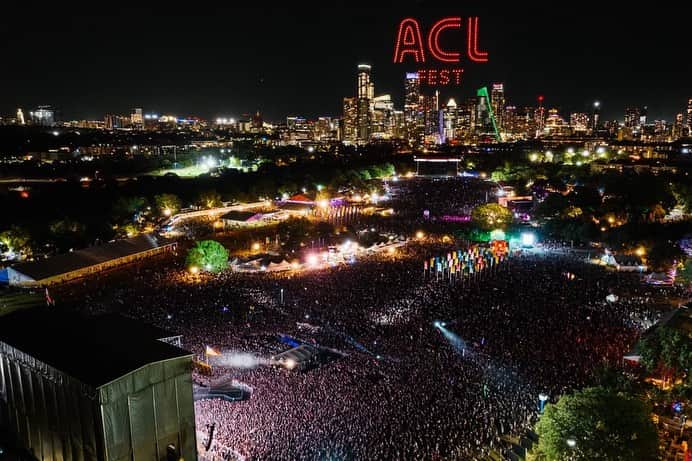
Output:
x,y
185,172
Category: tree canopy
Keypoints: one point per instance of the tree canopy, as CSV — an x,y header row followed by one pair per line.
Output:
x,y
207,255
491,216
602,423
167,204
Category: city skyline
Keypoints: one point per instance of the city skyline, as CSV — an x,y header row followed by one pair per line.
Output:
x,y
223,67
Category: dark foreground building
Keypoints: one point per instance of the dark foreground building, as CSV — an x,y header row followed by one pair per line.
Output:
x,y
77,388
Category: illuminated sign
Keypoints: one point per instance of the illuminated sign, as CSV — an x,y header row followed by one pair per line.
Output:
x,y
410,47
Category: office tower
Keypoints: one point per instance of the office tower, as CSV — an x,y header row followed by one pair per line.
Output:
x,y
364,86
431,108
555,125
643,116
689,117
678,127
596,116
413,114
43,116
497,100
539,116
350,120
20,117
579,122
366,90
450,120
383,122
632,118
137,118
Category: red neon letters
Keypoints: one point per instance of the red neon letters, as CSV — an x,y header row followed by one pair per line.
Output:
x,y
434,39
409,36
409,41
440,77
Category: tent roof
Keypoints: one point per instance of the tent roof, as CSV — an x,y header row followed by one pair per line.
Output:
x,y
80,259
92,350
241,216
299,354
301,198
294,206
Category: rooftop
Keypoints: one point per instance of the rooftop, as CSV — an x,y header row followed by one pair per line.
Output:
x,y
94,350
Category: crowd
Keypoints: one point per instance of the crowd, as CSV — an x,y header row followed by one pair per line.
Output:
x,y
440,197
401,388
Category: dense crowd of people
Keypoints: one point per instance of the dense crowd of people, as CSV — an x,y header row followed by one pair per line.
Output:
x,y
402,390
400,386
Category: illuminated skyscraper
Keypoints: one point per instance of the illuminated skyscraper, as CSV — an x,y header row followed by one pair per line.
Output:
x,y
383,122
579,122
450,120
539,117
431,114
43,116
350,121
689,117
20,117
596,116
413,114
678,127
137,118
632,118
365,94
364,85
497,100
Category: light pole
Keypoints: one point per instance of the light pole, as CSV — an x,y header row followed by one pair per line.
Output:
x,y
282,296
542,398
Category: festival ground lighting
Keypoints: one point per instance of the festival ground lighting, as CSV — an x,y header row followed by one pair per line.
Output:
x,y
312,260
452,338
528,239
542,398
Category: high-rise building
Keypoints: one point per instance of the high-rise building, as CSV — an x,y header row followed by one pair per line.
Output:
x,y
596,116
539,116
431,114
413,113
350,121
137,118
689,117
43,116
579,122
555,125
383,122
632,118
365,94
678,127
20,117
450,118
643,116
497,100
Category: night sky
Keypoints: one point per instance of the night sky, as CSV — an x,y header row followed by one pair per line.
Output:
x,y
213,61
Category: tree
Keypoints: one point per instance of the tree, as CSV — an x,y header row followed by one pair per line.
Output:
x,y
209,199
126,207
667,348
207,255
551,206
604,424
572,212
167,204
16,239
491,216
663,255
